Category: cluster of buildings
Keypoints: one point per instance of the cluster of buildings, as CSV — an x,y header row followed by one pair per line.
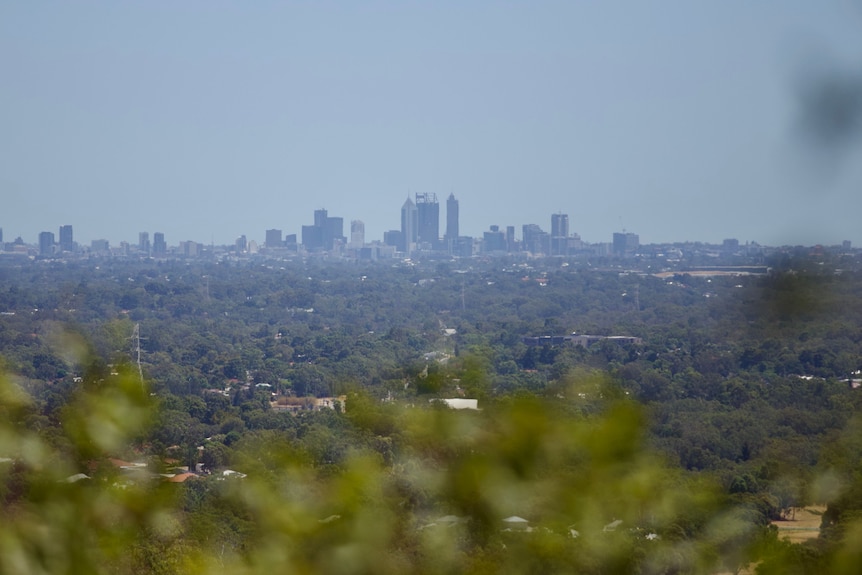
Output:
x,y
418,236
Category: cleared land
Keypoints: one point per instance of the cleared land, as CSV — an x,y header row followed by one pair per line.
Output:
x,y
805,525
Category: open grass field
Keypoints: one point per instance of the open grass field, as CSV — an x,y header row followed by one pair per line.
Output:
x,y
804,526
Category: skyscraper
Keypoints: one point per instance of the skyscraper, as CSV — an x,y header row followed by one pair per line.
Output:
x,y
160,248
394,238
625,244
327,233
357,234
494,240
333,231
273,238
559,234
144,243
312,237
409,225
535,240
66,242
46,244
452,230
320,217
559,225
428,214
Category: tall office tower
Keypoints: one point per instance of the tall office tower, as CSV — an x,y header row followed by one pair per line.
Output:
x,y
452,231
66,242
273,239
333,230
357,234
409,226
144,242
428,213
320,217
1,235
494,240
393,238
510,238
46,244
559,225
559,234
160,248
535,240
241,244
312,237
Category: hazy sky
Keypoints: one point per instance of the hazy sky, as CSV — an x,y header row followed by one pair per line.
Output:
x,y
207,120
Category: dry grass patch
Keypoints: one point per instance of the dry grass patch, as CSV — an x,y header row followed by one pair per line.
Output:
x,y
804,526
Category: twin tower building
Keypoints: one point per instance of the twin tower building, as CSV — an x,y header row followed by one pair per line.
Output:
x,y
420,226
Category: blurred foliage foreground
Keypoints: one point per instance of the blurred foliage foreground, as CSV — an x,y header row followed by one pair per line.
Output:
x,y
524,485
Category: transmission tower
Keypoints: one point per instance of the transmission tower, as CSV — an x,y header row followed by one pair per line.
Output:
x,y
136,342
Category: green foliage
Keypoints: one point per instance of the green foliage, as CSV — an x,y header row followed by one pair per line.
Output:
x,y
699,435
329,502
56,524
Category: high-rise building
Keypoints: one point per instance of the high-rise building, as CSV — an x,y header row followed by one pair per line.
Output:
x,y
312,237
625,244
333,232
559,225
535,240
241,245
409,226
394,238
46,244
144,243
452,227
320,217
357,234
273,239
66,242
428,217
559,234
510,238
452,230
326,233
160,248
193,249
494,240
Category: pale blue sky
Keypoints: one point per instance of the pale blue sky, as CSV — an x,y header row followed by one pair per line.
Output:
x,y
206,120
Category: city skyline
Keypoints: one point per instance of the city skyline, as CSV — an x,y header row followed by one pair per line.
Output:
x,y
690,122
326,235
